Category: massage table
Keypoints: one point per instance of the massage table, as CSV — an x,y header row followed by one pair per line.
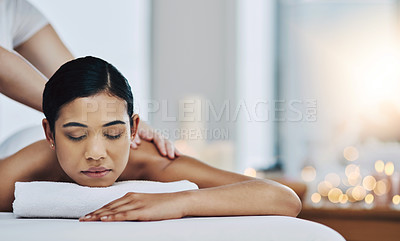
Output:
x,y
243,228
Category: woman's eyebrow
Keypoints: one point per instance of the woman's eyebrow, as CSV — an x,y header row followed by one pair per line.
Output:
x,y
117,122
74,124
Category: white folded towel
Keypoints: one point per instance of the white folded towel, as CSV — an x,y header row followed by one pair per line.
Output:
x,y
70,200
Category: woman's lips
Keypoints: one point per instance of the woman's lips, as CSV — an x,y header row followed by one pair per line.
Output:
x,y
96,172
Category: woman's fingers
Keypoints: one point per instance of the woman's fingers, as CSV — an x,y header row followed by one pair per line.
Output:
x,y
108,215
120,202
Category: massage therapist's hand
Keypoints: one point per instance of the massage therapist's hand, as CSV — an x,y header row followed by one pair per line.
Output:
x,y
165,146
142,207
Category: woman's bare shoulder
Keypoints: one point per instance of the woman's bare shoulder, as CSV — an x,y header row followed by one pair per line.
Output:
x,y
146,163
33,163
142,160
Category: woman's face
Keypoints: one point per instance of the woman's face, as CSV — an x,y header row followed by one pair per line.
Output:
x,y
92,139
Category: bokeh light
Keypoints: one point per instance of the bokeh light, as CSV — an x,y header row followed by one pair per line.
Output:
x,y
324,187
389,168
343,198
351,169
379,166
350,153
369,183
334,195
308,174
396,199
359,193
369,198
381,188
349,193
354,179
315,197
333,179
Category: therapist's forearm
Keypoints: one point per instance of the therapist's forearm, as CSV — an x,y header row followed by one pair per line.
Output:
x,y
255,197
14,73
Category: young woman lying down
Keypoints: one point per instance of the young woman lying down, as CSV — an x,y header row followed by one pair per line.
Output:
x,y
89,125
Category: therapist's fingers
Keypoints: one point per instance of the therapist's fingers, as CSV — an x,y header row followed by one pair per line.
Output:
x,y
134,145
137,139
160,143
177,152
147,135
170,149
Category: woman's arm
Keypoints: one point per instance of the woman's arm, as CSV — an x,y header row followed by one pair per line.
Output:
x,y
221,193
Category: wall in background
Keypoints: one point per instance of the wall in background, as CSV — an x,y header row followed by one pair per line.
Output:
x,y
218,53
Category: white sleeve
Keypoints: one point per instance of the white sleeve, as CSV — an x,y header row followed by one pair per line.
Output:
x,y
28,21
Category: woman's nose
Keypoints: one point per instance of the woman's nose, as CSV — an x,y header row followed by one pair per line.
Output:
x,y
95,149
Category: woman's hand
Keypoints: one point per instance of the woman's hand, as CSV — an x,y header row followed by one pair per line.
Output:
x,y
142,207
165,146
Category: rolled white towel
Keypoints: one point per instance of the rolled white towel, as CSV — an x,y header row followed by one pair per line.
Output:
x,y
70,200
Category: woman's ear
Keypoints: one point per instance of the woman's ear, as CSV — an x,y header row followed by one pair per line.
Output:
x,y
48,133
135,125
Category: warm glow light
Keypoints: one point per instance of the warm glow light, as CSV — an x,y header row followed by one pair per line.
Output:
x,y
334,195
308,174
333,179
379,166
351,169
359,193
343,198
345,181
389,168
369,183
396,199
354,179
349,193
251,172
369,198
315,197
350,153
381,188
378,74
324,188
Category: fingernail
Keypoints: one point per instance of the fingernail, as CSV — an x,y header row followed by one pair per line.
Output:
x,y
104,218
87,216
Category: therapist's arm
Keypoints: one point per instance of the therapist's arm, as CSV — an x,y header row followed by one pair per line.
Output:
x,y
19,81
45,51
22,82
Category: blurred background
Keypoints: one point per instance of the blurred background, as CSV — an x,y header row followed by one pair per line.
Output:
x,y
308,89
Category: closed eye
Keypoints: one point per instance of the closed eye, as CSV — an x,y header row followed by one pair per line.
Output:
x,y
76,138
112,137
